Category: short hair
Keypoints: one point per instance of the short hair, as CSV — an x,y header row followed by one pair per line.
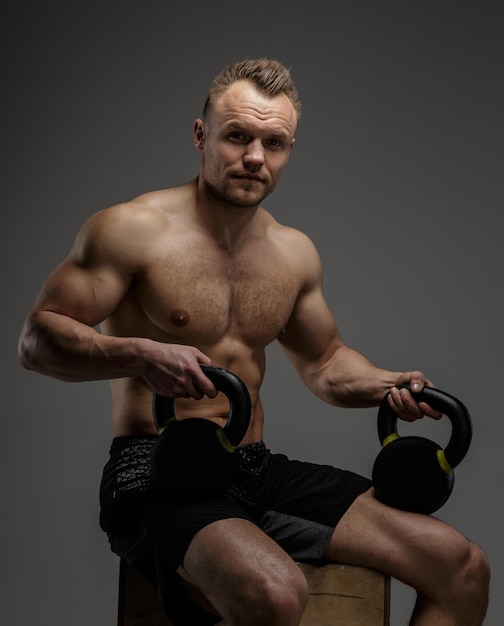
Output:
x,y
269,77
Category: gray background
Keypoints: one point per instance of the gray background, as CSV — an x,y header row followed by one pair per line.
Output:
x,y
396,175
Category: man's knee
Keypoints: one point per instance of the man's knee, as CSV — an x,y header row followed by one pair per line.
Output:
x,y
285,598
475,573
271,599
463,577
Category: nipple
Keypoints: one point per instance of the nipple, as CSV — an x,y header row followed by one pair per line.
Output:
x,y
179,317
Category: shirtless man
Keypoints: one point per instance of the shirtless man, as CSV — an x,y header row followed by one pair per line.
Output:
x,y
202,274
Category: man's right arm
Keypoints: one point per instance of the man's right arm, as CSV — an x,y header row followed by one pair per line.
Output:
x,y
59,338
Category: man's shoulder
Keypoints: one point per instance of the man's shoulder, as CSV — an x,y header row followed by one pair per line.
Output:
x,y
293,238
162,198
148,210
295,249
125,229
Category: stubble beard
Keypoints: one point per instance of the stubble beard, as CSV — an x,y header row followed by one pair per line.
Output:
x,y
236,201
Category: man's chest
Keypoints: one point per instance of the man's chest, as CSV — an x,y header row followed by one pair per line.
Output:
x,y
210,296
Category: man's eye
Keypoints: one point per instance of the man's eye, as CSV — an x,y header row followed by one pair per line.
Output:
x,y
274,143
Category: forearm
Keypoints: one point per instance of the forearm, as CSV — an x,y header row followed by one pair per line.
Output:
x,y
61,347
349,379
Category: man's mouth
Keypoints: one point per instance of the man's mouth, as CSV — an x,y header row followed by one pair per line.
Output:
x,y
250,178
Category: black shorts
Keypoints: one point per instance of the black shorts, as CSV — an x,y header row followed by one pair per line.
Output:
x,y
296,503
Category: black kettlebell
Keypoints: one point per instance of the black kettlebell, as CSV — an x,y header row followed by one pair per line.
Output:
x,y
196,455
415,473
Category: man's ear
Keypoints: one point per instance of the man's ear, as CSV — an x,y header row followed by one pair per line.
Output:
x,y
199,134
291,146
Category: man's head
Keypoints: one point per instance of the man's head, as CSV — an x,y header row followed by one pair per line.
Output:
x,y
247,131
268,76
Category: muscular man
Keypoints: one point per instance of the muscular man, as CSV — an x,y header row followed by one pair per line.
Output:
x,y
202,274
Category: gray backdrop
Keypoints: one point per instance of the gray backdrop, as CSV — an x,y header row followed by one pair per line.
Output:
x,y
396,175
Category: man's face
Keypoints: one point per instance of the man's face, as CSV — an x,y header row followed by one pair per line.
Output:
x,y
245,144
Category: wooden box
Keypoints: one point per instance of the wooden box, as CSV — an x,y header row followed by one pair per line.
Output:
x,y
340,595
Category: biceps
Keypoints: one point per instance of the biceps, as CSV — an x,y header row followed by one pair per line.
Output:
x,y
88,296
312,335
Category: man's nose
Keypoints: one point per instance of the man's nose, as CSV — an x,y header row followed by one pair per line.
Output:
x,y
254,154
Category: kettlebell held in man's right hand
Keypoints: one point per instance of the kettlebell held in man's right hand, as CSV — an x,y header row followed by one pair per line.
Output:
x,y
414,473
195,455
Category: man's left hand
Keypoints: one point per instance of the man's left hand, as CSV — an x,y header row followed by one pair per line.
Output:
x,y
404,404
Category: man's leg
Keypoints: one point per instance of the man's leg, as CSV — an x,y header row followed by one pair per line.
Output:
x,y
236,570
450,574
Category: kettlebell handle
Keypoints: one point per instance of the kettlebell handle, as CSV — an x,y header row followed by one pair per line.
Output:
x,y
231,386
447,404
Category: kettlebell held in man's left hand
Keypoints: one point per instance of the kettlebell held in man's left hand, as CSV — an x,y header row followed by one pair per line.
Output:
x,y
415,473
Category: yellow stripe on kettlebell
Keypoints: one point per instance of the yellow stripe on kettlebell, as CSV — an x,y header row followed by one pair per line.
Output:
x,y
224,441
443,462
166,424
389,439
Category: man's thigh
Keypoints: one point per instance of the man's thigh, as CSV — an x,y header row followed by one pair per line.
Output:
x,y
231,556
407,546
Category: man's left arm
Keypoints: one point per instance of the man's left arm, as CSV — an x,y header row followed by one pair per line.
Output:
x,y
339,374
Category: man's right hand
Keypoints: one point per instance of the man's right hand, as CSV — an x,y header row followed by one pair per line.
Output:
x,y
174,371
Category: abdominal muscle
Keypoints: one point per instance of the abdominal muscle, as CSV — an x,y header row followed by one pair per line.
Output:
x,y
132,405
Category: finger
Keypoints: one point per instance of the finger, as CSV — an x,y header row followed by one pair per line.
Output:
x,y
203,359
403,404
429,411
407,407
410,404
418,381
204,385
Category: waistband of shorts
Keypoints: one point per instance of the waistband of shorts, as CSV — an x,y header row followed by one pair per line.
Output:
x,y
252,451
248,452
130,441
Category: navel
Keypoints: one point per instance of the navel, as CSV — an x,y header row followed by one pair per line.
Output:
x,y
179,317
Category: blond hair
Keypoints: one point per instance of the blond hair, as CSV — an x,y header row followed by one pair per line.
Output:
x,y
269,77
